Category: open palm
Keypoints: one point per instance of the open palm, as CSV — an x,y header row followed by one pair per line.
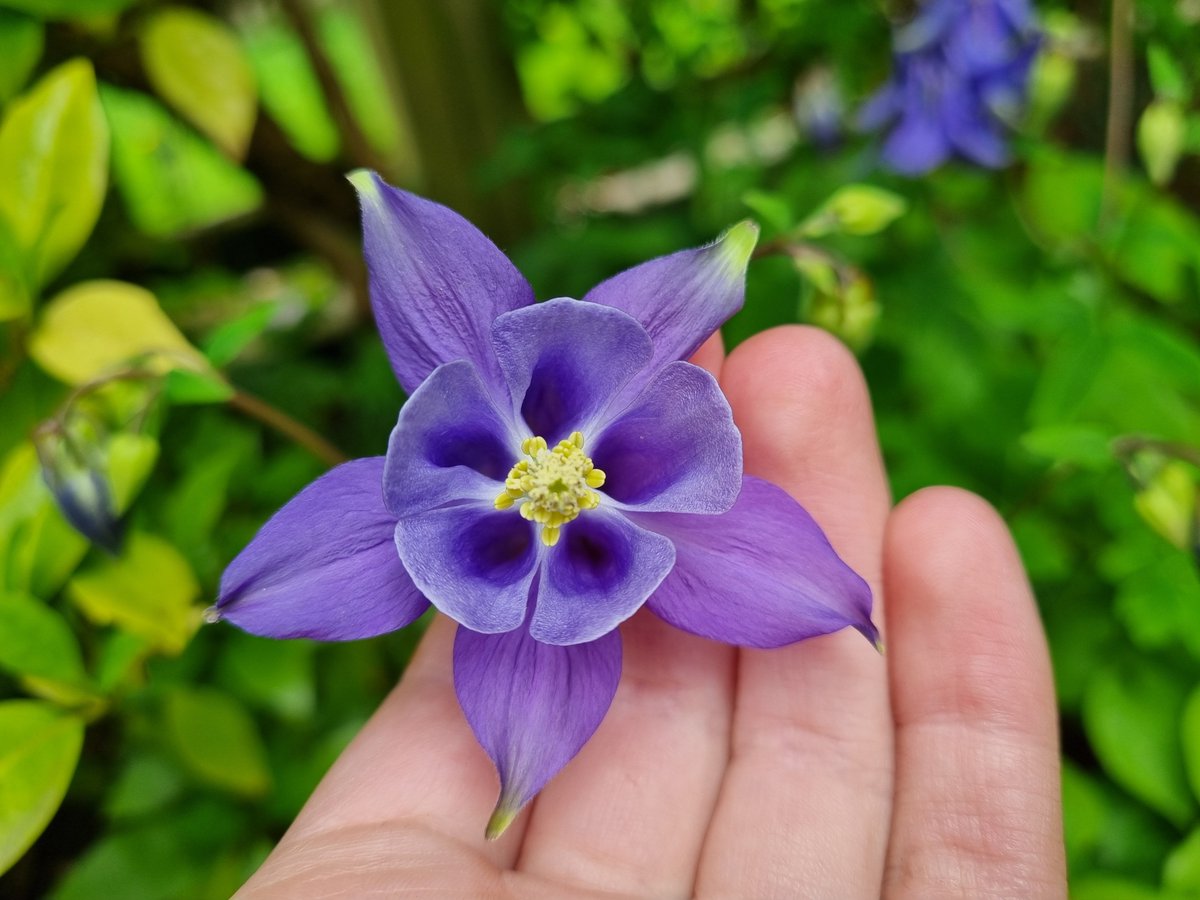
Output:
x,y
819,770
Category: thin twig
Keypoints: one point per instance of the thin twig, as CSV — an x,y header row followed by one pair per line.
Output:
x,y
1120,103
358,148
280,421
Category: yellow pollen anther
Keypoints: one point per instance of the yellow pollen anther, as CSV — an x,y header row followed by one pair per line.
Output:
x,y
553,485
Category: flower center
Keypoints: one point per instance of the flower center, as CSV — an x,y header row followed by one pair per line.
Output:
x,y
553,485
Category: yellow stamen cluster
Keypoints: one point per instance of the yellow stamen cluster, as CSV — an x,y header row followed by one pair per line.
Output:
x,y
552,485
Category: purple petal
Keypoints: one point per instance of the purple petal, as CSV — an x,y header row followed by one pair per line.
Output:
x,y
450,443
916,145
436,282
676,448
597,576
474,563
935,18
324,566
974,133
683,298
532,706
880,108
565,360
761,575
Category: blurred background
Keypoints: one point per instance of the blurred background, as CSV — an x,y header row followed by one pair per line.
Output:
x,y
993,204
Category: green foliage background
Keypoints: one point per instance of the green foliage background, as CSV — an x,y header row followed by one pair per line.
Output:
x,y
182,310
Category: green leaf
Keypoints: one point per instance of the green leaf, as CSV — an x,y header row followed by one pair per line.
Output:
x,y
197,388
197,64
274,675
39,747
171,179
229,339
38,547
1181,872
98,327
146,784
148,591
21,40
54,167
68,9
1161,132
1166,76
1104,887
855,209
36,640
1078,445
1190,728
217,740
1131,715
772,210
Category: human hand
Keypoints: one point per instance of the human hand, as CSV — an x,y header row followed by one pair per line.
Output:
x,y
818,770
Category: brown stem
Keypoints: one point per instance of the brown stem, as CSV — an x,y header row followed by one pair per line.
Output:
x,y
358,148
1120,103
280,421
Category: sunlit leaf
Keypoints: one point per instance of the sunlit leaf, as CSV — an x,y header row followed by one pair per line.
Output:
x,y
54,167
97,327
855,209
1132,718
1181,872
148,590
217,740
39,747
197,65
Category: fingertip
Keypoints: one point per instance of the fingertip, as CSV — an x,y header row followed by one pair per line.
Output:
x,y
711,354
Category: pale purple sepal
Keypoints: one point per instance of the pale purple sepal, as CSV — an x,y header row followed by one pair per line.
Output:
x,y
597,576
450,443
761,575
564,361
675,448
683,298
473,562
324,566
532,706
436,282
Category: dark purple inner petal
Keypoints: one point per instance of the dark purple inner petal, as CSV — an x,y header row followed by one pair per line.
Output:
x,y
558,398
470,445
633,468
600,556
498,547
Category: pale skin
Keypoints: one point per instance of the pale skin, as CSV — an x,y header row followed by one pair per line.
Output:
x,y
821,770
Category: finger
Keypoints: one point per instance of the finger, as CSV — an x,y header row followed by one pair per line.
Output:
x,y
711,354
977,786
628,815
414,769
804,807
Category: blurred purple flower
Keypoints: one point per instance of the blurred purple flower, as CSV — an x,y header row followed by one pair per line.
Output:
x,y
960,76
556,467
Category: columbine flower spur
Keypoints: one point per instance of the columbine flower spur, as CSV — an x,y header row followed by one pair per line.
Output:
x,y
556,467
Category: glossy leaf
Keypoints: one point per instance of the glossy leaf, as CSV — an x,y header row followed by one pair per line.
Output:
x,y
196,63
54,167
98,327
217,740
148,590
39,747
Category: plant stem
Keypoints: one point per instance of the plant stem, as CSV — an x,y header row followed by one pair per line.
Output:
x,y
280,421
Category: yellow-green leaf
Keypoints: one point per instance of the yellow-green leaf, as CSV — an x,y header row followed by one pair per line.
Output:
x,y
198,66
855,209
217,740
39,747
1161,132
148,591
97,327
54,167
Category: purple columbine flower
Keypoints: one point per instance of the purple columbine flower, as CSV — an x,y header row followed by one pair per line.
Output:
x,y
960,76
556,467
